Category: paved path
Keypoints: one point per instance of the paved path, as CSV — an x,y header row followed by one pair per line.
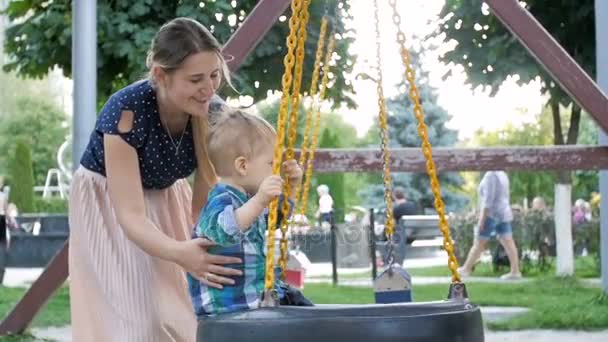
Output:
x,y
63,335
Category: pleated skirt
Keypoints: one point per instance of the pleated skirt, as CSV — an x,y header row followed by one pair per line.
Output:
x,y
117,291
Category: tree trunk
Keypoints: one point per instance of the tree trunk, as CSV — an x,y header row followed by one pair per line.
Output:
x,y
563,193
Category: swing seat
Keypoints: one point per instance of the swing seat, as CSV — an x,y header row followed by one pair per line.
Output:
x,y
447,321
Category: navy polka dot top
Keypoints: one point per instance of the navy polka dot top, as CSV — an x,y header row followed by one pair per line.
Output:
x,y
159,165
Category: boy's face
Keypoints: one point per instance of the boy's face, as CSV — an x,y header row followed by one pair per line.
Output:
x,y
258,168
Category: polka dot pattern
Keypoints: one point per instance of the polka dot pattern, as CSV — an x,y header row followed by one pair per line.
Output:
x,y
159,165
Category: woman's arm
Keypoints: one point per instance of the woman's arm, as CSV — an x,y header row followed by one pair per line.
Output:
x,y
199,194
126,194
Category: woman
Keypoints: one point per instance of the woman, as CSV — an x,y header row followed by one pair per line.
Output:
x,y
131,209
495,218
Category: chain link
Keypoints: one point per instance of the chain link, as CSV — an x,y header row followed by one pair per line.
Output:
x,y
288,62
293,125
309,115
317,124
389,227
426,146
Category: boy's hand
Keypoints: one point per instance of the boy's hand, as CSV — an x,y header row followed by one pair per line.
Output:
x,y
270,189
293,172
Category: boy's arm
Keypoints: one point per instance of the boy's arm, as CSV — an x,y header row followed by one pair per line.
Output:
x,y
247,214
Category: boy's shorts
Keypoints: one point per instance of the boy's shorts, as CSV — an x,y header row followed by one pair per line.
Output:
x,y
494,227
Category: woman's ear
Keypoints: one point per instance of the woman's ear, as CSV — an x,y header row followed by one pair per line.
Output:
x,y
240,165
159,74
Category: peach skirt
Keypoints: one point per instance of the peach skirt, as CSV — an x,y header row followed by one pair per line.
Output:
x,y
117,291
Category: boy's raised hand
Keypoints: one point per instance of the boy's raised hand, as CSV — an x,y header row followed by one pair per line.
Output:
x,y
270,188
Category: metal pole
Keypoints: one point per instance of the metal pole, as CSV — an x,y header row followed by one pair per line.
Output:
x,y
84,75
601,34
334,252
372,244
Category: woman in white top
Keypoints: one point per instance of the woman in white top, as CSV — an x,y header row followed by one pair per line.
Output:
x,y
326,204
494,219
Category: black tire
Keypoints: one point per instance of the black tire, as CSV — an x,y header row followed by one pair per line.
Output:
x,y
411,322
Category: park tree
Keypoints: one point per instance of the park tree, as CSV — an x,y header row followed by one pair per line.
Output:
x,y
39,39
22,177
489,54
41,125
403,132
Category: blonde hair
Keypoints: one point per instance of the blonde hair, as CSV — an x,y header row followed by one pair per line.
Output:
x,y
234,134
173,43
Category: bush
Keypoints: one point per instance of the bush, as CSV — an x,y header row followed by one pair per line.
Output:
x,y
534,234
22,178
51,205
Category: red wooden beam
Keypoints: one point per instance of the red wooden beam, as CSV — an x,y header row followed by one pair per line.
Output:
x,y
540,158
242,42
38,294
261,19
553,57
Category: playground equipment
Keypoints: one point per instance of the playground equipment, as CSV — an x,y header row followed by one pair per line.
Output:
x,y
453,320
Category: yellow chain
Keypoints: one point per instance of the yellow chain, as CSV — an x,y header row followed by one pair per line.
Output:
x,y
293,125
410,75
313,92
389,228
288,62
317,126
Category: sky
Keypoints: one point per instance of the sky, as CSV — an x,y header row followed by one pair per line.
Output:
x,y
470,110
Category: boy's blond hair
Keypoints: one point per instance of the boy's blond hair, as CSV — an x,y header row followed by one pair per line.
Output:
x,y
234,133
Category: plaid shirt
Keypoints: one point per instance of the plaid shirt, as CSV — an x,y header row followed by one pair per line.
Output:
x,y
217,223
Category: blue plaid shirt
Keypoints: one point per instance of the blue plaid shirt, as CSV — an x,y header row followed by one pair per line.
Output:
x,y
217,223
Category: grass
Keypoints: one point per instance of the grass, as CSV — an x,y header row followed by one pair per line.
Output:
x,y
55,313
555,303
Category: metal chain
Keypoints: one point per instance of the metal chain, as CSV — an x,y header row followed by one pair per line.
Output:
x,y
317,124
314,85
288,62
293,125
389,227
410,75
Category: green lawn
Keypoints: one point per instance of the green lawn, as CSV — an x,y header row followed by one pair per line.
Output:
x,y
55,313
555,303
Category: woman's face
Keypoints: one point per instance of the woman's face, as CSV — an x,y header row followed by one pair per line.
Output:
x,y
191,87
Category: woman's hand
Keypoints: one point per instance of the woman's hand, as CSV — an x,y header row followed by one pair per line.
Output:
x,y
193,257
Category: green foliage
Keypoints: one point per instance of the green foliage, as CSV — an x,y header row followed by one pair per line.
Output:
x,y
51,205
403,132
334,133
22,178
40,39
534,232
529,184
489,53
329,121
524,184
41,125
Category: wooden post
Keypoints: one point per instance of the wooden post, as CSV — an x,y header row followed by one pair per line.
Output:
x,y
601,34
